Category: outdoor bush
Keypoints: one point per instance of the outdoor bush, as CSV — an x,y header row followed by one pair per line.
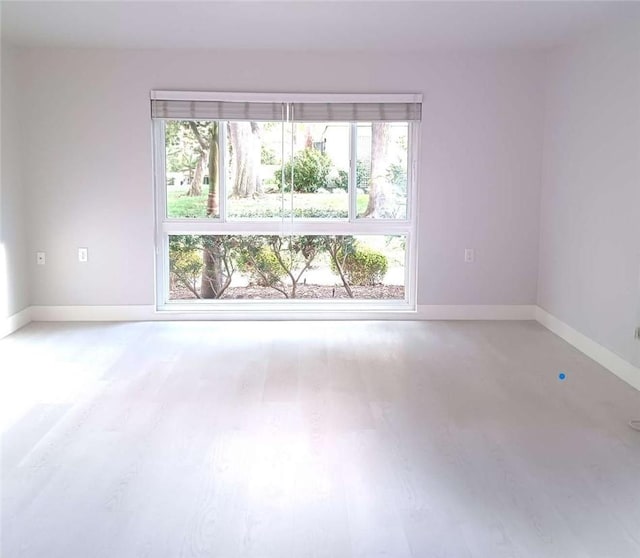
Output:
x,y
311,170
258,260
397,175
363,174
364,266
298,212
341,182
267,156
187,263
185,260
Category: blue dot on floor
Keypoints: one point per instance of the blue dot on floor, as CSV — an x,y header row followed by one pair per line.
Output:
x,y
562,375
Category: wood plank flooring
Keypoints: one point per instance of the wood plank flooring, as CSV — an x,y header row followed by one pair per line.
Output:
x,y
313,439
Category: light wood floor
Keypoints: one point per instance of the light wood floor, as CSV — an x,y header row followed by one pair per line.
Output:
x,y
316,439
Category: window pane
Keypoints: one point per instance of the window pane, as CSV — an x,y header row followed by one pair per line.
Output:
x,y
381,170
190,162
320,169
255,151
266,267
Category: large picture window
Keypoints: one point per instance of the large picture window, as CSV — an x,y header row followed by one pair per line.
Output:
x,y
300,200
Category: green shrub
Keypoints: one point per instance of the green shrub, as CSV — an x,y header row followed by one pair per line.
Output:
x,y
267,155
397,175
311,170
363,171
298,212
185,260
363,266
258,260
341,182
363,175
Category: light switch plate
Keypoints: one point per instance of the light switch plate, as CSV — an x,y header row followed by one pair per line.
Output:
x,y
41,258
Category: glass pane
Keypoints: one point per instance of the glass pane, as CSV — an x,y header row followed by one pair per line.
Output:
x,y
255,151
381,170
190,164
320,169
266,267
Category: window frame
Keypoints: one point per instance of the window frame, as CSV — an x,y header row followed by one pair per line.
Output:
x,y
166,226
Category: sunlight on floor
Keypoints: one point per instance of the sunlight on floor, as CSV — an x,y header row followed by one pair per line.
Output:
x,y
40,378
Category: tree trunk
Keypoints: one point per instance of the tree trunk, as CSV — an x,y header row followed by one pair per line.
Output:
x,y
214,145
334,253
379,186
195,189
245,142
212,272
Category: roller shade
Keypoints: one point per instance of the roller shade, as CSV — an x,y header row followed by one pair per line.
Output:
x,y
298,112
355,112
217,110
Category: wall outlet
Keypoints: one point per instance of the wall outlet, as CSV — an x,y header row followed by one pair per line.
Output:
x,y
83,255
41,258
469,255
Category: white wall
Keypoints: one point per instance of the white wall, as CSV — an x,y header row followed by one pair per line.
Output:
x,y
14,281
90,182
589,273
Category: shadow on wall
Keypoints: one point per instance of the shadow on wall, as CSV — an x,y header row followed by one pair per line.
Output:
x,y
637,354
4,283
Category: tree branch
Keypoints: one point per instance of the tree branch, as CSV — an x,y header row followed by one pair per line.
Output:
x,y
186,283
333,252
203,144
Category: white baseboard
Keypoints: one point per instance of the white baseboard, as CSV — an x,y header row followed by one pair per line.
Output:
x,y
603,356
476,312
125,313
15,322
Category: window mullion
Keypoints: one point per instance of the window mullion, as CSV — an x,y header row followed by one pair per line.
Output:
x,y
353,176
161,240
222,171
293,147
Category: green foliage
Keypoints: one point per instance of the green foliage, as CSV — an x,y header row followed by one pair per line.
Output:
x,y
187,263
182,248
363,266
363,175
185,260
298,212
311,170
341,182
267,155
270,259
180,206
308,206
339,248
182,149
397,175
257,259
363,172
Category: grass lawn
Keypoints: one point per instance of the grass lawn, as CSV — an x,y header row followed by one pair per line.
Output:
x,y
268,205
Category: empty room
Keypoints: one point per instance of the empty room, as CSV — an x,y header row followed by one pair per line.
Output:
x,y
320,279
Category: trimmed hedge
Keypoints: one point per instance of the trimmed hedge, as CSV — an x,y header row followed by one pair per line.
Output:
x,y
364,266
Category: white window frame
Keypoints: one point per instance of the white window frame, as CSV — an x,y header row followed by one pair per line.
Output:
x,y
353,225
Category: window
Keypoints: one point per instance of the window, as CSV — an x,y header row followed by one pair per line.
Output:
x,y
296,200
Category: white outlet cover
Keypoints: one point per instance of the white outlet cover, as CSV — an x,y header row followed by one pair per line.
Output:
x,y
83,254
469,255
